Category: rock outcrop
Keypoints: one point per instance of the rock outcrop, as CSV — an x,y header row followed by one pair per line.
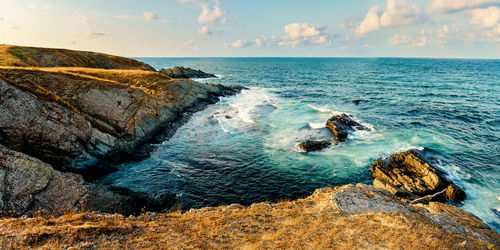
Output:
x,y
182,72
46,57
312,145
341,125
29,185
81,119
409,174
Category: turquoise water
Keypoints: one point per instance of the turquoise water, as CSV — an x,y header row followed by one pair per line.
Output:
x,y
244,148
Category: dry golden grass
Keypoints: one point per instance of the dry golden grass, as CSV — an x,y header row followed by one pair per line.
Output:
x,y
310,223
11,55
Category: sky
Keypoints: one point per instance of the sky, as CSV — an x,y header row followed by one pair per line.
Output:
x,y
258,28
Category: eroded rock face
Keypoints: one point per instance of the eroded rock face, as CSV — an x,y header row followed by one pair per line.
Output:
x,y
408,174
28,184
311,145
81,119
341,125
182,72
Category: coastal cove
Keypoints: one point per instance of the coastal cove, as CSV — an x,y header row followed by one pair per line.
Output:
x,y
244,149
105,151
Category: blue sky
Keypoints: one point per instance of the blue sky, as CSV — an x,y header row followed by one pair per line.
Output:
x,y
315,28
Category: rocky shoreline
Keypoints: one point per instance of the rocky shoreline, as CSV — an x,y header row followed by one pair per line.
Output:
x,y
76,121
67,121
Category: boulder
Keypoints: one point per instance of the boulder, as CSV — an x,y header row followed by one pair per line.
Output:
x,y
311,145
409,174
182,72
341,125
29,184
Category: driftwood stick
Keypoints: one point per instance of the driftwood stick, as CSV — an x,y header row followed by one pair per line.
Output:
x,y
428,196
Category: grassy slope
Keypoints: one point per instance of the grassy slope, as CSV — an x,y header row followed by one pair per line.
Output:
x,y
11,55
310,223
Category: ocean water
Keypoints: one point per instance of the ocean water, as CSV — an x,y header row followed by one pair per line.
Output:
x,y
244,148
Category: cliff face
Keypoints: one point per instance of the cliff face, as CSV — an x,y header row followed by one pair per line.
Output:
x,y
346,217
46,57
76,118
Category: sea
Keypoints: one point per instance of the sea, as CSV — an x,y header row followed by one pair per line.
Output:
x,y
244,149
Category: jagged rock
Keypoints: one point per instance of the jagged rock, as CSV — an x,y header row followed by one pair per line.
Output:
x,y
409,174
341,125
80,120
28,184
311,145
182,72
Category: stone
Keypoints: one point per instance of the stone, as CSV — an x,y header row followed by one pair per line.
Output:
x,y
410,172
183,72
311,145
341,125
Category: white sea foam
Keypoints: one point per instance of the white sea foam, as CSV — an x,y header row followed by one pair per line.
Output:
x,y
321,109
316,125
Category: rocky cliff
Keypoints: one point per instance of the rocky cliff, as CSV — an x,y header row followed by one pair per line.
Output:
x,y
79,119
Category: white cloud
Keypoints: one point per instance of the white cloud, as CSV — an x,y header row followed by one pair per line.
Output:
x,y
150,16
212,16
299,33
238,44
204,31
187,45
444,6
95,34
86,20
485,18
32,6
396,13
399,12
400,40
371,23
425,37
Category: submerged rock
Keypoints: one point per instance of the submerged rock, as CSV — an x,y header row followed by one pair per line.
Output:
x,y
182,72
341,125
408,174
311,145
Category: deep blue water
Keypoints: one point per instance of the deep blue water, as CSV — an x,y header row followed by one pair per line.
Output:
x,y
244,149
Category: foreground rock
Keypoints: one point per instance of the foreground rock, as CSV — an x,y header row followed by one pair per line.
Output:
x,y
311,145
20,56
81,120
408,174
182,72
345,217
29,185
341,125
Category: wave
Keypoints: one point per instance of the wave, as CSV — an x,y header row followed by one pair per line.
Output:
x,y
321,110
316,125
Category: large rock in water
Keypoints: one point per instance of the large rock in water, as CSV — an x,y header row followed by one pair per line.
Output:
x,y
409,174
311,145
341,125
80,120
182,72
